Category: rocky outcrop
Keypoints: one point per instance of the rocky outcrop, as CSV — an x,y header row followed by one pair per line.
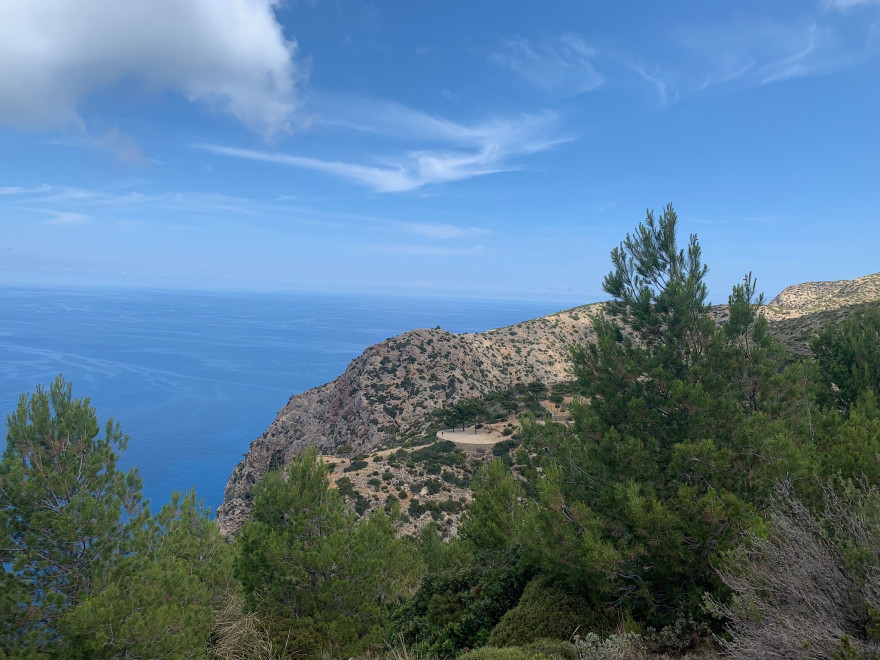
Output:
x,y
811,297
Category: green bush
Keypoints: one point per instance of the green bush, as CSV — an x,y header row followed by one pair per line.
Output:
x,y
345,487
416,508
504,447
294,638
547,611
542,649
457,608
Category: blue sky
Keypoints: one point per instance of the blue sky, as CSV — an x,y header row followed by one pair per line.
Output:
x,y
433,148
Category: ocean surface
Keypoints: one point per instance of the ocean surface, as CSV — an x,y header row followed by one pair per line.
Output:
x,y
192,377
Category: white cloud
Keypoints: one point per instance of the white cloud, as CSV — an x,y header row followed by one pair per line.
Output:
x,y
229,54
564,65
438,150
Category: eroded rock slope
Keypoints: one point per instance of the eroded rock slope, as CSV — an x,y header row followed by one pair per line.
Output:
x,y
385,394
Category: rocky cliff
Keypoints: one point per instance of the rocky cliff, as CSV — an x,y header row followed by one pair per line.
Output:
x,y
385,395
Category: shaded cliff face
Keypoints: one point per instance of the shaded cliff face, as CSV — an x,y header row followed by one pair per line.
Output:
x,y
387,392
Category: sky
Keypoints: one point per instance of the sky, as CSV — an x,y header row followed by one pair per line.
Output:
x,y
488,149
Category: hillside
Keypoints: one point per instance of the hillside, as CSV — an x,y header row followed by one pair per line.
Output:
x,y
385,396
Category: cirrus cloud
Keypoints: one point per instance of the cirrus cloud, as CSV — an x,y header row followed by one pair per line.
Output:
x,y
435,150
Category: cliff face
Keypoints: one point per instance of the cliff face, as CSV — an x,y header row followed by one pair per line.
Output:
x,y
388,390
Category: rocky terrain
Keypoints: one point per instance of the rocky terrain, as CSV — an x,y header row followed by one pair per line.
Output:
x,y
386,395
812,297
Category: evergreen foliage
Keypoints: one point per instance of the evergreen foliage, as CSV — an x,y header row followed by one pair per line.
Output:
x,y
493,521
848,356
456,608
158,600
323,580
87,571
663,467
551,611
544,649
62,509
696,443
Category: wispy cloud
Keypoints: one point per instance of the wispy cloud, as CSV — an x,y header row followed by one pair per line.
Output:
x,y
22,190
656,81
844,5
77,204
437,150
441,231
751,54
435,231
564,65
70,205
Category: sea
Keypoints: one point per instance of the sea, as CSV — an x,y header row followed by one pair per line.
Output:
x,y
193,377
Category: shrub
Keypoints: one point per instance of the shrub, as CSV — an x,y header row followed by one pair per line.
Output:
x,y
810,587
457,608
547,611
294,638
415,509
345,487
433,486
504,447
622,646
544,649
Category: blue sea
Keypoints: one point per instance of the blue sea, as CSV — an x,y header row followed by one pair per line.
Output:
x,y
193,377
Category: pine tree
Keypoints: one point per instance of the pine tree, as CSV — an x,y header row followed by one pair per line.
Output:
x,y
62,509
493,521
321,580
678,440
87,571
